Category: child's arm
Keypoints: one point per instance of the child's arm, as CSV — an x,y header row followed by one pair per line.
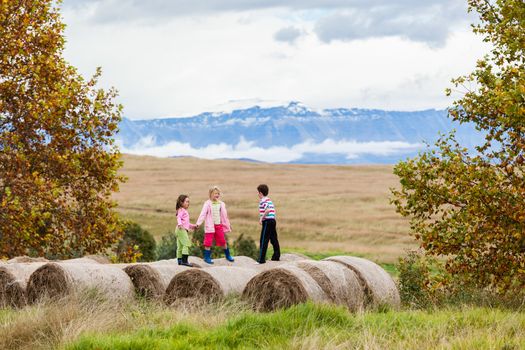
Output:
x,y
202,215
263,216
226,216
179,219
266,211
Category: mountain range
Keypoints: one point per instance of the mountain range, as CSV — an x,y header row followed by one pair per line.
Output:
x,y
294,133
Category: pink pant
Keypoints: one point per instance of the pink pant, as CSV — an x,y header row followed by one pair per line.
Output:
x,y
218,235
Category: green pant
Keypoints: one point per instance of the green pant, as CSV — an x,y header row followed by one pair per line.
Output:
x,y
183,242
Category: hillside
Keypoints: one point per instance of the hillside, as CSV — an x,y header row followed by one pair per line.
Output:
x,y
320,208
294,133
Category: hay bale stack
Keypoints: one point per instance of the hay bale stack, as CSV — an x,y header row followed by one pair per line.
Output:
x,y
339,283
152,279
283,286
13,283
56,280
378,285
240,261
26,259
209,284
291,257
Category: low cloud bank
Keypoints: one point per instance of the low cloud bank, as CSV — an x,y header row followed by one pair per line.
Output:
x,y
274,154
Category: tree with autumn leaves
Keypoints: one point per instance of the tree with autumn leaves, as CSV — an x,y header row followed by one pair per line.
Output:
x,y
468,207
58,161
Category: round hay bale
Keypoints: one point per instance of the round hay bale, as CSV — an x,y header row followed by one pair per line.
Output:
x,y
269,264
339,283
151,280
26,259
165,261
195,261
101,259
240,261
56,280
13,282
122,265
281,287
291,257
377,284
84,260
209,284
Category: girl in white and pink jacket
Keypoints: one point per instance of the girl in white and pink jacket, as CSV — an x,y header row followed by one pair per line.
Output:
x,y
216,224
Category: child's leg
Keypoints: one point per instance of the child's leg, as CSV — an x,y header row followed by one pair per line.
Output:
x,y
220,241
208,240
185,242
263,242
178,233
272,234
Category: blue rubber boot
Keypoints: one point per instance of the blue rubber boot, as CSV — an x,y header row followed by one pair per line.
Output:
x,y
227,255
207,256
179,261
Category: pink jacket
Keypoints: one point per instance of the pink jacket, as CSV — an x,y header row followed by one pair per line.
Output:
x,y
183,219
207,217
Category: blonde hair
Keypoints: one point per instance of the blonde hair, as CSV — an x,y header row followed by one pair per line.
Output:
x,y
213,189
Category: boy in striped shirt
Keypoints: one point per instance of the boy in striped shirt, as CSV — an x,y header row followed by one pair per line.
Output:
x,y
269,227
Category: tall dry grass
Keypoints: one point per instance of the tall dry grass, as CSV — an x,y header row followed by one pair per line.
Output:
x,y
54,324
88,322
319,207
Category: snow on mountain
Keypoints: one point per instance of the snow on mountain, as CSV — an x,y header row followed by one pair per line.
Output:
x,y
293,133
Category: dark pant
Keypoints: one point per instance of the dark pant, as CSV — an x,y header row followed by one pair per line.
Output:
x,y
269,234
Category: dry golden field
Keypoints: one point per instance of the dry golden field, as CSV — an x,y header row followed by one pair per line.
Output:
x,y
320,208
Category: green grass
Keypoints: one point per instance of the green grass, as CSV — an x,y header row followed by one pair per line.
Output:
x,y
322,326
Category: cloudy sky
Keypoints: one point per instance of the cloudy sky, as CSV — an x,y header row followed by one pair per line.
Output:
x,y
182,57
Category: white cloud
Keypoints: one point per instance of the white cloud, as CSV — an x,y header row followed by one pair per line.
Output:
x,y
431,25
247,150
213,52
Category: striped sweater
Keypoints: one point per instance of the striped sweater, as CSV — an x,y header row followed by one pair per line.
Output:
x,y
264,204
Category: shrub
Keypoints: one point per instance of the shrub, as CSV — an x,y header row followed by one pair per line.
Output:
x,y
245,246
414,277
167,248
135,235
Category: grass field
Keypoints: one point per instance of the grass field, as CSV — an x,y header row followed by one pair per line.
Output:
x,y
320,208
91,324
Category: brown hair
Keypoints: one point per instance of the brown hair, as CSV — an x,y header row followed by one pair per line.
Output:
x,y
180,201
263,189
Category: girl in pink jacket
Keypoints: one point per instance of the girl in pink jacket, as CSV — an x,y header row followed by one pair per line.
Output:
x,y
183,227
216,224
